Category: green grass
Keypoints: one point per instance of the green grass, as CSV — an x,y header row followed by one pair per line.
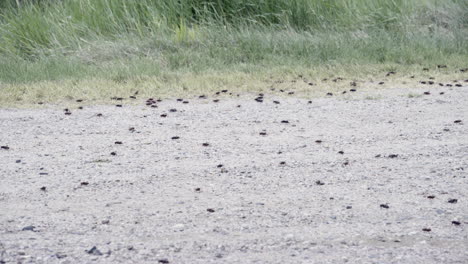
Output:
x,y
170,47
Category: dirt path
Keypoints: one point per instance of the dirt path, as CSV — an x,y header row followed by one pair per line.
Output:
x,y
331,181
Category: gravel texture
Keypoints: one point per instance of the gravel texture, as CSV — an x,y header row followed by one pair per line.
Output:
x,y
370,178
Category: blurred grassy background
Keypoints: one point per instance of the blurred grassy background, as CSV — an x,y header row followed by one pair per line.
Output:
x,y
45,42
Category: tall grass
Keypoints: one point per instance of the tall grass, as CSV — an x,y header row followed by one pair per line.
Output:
x,y
36,25
57,39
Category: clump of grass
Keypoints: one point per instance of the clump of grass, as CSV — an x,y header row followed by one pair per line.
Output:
x,y
117,41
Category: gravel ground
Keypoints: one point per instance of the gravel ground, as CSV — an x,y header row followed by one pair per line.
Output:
x,y
371,178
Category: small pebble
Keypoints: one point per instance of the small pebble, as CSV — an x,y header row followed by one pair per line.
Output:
x,y
319,182
94,251
28,228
